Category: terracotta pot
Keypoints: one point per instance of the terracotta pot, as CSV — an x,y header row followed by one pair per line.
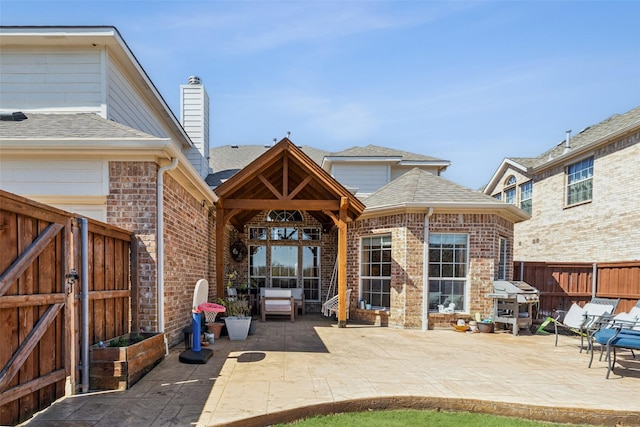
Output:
x,y
485,327
215,328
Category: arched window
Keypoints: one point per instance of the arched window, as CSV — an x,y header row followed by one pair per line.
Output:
x,y
285,216
510,190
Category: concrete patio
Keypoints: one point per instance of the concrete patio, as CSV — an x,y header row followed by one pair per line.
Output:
x,y
286,370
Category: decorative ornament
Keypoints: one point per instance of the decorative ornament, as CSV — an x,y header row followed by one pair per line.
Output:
x,y
238,250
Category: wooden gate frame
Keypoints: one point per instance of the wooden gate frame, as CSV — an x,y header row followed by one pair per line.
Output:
x,y
62,228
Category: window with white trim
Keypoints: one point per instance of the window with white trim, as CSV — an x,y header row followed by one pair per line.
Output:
x,y
526,197
580,181
448,269
510,190
375,270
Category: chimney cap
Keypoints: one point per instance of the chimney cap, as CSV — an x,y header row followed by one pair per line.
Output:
x,y
195,80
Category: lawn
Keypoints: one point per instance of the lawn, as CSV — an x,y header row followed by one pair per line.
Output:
x,y
410,417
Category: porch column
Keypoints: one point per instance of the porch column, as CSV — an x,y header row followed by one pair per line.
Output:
x,y
342,263
219,250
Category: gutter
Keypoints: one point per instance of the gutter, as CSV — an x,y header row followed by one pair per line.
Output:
x,y
425,273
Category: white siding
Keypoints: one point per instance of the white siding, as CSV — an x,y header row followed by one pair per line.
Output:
x,y
47,80
59,178
366,177
194,116
127,106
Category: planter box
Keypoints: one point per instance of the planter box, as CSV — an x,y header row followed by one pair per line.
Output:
x,y
237,327
118,368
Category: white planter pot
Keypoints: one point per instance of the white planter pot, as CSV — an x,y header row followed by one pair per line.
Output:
x,y
237,327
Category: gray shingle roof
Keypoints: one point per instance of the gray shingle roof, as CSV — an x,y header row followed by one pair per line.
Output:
x,y
421,187
585,137
68,126
377,151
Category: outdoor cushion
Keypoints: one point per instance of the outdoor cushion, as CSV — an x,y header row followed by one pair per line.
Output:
x,y
574,317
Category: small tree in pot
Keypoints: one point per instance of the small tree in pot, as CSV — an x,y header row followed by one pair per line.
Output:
x,y
238,319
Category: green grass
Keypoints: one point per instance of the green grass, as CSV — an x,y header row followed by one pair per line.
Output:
x,y
404,418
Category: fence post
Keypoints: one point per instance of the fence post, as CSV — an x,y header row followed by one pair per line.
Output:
x,y
594,280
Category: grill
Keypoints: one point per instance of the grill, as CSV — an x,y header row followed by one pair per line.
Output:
x,y
513,302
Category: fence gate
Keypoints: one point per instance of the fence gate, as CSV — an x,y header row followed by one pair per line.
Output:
x,y
39,300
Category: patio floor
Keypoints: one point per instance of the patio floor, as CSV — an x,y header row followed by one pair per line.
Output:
x,y
286,370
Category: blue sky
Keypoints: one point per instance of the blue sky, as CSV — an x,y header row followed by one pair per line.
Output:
x,y
467,81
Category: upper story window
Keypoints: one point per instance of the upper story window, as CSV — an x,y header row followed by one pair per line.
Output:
x,y
580,181
510,190
285,216
526,197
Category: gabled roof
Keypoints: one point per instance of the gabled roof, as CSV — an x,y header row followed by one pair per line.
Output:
x,y
584,141
227,160
374,153
284,177
419,190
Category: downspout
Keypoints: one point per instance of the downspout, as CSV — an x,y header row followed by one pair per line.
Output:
x,y
425,273
84,283
160,246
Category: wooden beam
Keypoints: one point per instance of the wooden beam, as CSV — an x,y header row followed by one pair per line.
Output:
x,y
25,259
32,300
285,176
220,224
299,187
230,213
26,389
270,186
342,264
20,356
268,204
333,216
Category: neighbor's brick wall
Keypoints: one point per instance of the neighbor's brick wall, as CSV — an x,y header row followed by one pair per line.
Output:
x,y
407,234
189,254
131,205
603,230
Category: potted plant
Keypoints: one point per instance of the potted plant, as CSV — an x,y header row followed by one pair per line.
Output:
x,y
484,325
238,319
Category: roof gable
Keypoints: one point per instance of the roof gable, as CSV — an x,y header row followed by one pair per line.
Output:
x,y
284,177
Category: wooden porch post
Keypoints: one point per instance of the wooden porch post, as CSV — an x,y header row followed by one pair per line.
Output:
x,y
342,263
219,250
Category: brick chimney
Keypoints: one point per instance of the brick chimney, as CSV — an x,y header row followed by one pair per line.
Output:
x,y
194,117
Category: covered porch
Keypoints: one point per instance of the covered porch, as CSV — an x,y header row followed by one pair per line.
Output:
x,y
261,234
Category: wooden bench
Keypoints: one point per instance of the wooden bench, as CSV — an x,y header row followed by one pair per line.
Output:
x,y
277,301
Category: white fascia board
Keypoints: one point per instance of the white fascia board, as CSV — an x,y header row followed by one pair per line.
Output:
x,y
506,162
348,159
443,163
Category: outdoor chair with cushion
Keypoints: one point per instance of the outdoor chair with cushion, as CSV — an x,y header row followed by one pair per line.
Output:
x,y
582,320
618,325
277,301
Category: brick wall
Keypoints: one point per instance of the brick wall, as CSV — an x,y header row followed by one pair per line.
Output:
x,y
189,241
131,205
407,234
189,250
603,230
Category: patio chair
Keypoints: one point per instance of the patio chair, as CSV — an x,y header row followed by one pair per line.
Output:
x,y
615,325
278,301
582,320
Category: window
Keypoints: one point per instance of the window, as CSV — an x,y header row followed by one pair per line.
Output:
x,y
284,263
526,197
448,266
580,181
510,190
502,262
375,270
311,272
285,216
258,265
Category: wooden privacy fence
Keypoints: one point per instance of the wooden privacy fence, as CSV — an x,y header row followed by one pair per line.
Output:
x,y
562,284
40,260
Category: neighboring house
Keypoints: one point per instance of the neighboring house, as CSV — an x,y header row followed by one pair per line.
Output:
x,y
99,140
581,194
